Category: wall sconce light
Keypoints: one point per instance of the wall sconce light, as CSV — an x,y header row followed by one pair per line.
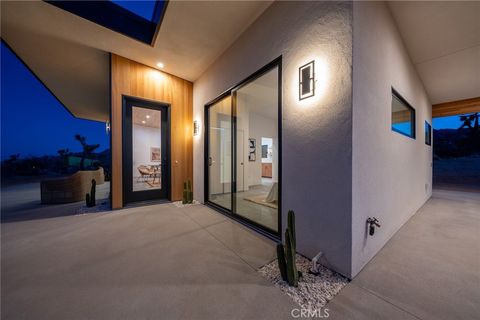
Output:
x,y
107,127
306,80
195,128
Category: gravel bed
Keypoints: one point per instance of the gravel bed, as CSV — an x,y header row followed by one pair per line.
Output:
x,y
313,291
179,204
101,206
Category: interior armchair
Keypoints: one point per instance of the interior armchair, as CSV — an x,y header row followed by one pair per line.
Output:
x,y
145,172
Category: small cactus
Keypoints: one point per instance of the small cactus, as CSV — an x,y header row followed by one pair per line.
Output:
x,y
287,255
90,198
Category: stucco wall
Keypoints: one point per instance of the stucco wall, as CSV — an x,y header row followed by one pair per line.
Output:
x,y
317,132
391,172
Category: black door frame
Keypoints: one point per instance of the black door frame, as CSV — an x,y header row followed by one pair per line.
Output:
x,y
127,177
276,235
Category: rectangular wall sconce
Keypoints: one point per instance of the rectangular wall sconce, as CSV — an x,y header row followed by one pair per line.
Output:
x,y
195,128
306,80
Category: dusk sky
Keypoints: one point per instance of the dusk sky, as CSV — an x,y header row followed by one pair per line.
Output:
x,y
141,8
33,122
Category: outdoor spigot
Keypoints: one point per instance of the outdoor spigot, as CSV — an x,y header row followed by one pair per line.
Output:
x,y
372,223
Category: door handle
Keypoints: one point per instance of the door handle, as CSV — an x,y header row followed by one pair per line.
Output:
x,y
210,161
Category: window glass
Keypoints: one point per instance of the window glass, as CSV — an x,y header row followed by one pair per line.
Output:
x,y
146,149
220,153
403,116
257,147
428,134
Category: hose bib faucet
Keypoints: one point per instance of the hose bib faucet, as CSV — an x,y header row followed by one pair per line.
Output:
x,y
372,223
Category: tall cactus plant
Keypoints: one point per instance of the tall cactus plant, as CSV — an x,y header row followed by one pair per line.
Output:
x,y
287,254
90,198
187,192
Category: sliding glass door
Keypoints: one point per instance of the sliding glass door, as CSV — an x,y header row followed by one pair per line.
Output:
x,y
256,115
242,150
219,158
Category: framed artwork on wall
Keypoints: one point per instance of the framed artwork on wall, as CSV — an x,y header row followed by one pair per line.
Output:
x,y
155,154
252,149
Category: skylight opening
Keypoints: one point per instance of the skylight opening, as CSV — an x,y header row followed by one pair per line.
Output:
x,y
144,9
139,20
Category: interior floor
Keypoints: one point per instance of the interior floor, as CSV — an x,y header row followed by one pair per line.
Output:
x,y
141,184
263,214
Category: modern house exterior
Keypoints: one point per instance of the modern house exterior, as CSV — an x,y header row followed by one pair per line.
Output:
x,y
317,107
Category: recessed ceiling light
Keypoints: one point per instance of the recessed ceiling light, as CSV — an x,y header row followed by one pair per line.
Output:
x,y
147,116
160,65
143,121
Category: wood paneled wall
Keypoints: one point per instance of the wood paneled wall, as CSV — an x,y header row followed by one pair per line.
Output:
x,y
134,79
454,108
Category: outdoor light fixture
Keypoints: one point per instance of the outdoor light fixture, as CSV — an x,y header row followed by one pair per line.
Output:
x,y
306,80
143,121
147,116
160,65
195,128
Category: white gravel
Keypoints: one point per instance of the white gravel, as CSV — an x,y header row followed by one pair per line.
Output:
x,y
102,205
179,204
313,291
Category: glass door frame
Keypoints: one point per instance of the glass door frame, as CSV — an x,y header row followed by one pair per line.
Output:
x,y
275,235
130,196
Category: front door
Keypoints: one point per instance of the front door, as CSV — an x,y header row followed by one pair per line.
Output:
x,y
146,150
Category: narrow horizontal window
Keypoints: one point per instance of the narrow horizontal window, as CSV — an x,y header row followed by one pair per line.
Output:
x,y
403,116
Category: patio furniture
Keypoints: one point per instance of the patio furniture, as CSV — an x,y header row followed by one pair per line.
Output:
x,y
145,172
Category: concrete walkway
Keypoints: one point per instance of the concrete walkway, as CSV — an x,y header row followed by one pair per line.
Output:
x,y
164,262
155,262
21,202
430,269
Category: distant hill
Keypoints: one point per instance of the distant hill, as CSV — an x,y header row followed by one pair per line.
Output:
x,y
454,143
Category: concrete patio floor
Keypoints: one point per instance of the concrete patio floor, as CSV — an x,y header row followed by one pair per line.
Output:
x,y
430,269
164,262
155,262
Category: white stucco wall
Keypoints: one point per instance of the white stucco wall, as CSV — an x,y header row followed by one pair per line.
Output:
x,y
392,174
317,132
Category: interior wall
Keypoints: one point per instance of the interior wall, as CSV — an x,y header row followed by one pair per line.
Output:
x,y
134,79
392,173
316,133
144,138
259,127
